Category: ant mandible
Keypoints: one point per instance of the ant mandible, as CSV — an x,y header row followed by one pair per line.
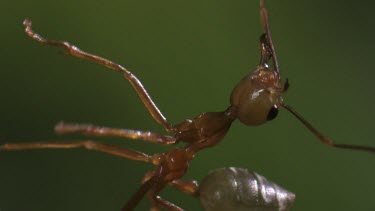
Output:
x,y
254,101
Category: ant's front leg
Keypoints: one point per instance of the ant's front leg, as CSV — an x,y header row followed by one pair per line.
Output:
x,y
74,51
92,130
265,51
268,37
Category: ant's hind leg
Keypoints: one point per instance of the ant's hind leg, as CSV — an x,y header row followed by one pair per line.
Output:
x,y
186,186
157,203
90,145
92,130
74,51
160,202
189,187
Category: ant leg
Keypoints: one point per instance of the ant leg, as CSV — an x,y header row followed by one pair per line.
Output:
x,y
137,196
92,130
150,195
90,145
267,31
74,51
265,51
166,204
189,187
154,204
156,201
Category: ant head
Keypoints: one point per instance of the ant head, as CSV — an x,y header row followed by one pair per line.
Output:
x,y
257,96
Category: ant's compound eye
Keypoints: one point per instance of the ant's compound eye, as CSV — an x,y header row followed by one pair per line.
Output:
x,y
272,114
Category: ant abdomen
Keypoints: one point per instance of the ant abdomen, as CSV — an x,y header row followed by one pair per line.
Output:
x,y
239,189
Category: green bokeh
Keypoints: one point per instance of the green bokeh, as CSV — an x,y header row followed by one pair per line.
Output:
x,y
189,55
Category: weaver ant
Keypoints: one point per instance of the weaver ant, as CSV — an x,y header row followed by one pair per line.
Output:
x,y
254,101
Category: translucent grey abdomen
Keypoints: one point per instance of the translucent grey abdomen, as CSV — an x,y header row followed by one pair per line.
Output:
x,y
237,189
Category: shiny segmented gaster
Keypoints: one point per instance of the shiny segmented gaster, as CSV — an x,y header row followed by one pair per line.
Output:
x,y
242,190
254,101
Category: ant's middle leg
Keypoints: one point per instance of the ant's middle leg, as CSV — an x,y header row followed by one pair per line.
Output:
x,y
90,145
92,130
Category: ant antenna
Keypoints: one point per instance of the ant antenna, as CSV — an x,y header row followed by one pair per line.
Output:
x,y
269,43
325,139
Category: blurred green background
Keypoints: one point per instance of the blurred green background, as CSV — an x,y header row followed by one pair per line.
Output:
x,y
189,55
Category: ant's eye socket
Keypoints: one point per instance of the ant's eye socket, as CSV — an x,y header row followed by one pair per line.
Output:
x,y
272,114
